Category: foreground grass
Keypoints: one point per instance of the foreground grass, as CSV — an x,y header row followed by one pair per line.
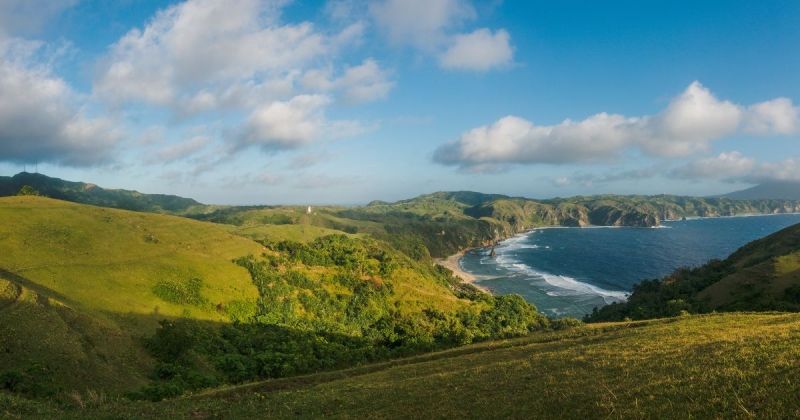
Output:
x,y
715,366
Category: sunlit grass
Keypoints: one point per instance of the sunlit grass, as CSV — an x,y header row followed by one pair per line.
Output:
x,y
715,366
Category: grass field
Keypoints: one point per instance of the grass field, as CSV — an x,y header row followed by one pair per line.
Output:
x,y
712,366
77,289
109,260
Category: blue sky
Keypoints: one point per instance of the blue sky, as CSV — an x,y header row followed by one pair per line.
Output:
x,y
344,102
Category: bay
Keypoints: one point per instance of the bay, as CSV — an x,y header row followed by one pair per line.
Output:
x,y
569,271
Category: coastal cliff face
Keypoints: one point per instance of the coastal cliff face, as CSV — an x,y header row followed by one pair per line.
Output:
x,y
447,222
509,216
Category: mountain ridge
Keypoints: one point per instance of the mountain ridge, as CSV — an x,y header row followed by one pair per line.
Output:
x,y
89,193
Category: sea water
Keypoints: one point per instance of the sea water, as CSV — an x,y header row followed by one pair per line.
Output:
x,y
569,271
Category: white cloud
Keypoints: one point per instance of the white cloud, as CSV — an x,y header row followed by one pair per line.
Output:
x,y
40,115
291,124
689,123
431,26
778,116
725,166
199,44
420,23
363,83
785,170
515,140
481,50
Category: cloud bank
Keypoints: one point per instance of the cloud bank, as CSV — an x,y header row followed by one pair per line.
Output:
x,y
270,83
42,118
687,126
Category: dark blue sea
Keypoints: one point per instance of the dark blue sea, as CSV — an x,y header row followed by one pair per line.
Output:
x,y
569,271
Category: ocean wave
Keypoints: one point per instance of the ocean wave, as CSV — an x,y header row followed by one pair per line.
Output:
x,y
571,286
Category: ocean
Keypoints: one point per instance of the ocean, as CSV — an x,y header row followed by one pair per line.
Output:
x,y
569,271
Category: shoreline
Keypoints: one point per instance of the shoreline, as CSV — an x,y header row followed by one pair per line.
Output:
x,y
451,263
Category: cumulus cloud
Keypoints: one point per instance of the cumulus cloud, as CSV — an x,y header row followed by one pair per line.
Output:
x,y
480,50
785,170
688,125
775,116
725,166
41,117
291,124
202,54
204,41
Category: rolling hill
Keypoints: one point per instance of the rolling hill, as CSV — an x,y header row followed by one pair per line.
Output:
x,y
121,300
102,309
84,193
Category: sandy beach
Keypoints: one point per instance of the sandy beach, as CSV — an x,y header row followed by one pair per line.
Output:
x,y
451,262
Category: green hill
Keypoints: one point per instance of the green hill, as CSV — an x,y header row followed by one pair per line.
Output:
x,y
714,366
114,301
79,289
763,275
81,192
437,224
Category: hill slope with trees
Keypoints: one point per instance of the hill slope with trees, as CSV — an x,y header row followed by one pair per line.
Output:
x,y
763,275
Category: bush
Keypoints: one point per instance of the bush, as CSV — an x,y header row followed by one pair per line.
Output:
x,y
182,293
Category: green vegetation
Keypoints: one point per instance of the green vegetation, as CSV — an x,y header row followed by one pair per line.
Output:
x,y
253,311
714,366
80,192
167,305
763,275
443,223
27,190
332,303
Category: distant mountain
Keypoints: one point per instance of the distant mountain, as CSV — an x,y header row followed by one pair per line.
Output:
x,y
81,192
786,190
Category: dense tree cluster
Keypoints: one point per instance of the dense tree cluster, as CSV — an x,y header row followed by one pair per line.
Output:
x,y
323,305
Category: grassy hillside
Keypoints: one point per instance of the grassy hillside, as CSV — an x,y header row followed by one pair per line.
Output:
x,y
763,275
437,224
109,261
715,366
80,287
136,300
81,192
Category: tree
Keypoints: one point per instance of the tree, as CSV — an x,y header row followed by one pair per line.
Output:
x,y
28,190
